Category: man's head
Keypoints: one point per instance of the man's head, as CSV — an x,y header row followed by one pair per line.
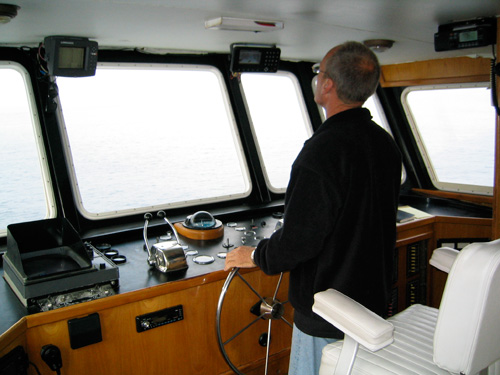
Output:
x,y
352,70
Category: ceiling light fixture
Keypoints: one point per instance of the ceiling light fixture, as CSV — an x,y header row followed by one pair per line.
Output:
x,y
7,12
242,24
378,45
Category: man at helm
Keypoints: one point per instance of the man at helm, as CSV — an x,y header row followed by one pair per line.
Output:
x,y
341,203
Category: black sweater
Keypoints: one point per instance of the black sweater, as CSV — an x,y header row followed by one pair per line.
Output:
x,y
340,219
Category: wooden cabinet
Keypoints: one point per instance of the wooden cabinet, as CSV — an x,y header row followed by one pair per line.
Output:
x,y
411,256
187,346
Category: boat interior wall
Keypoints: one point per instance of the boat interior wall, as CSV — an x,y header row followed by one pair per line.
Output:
x,y
310,28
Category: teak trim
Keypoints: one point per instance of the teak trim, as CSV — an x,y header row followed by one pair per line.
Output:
x,y
470,198
434,72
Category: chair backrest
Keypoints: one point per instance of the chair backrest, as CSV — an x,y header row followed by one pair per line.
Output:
x,y
467,336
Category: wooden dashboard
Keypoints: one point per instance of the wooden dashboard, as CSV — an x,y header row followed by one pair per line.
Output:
x,y
189,345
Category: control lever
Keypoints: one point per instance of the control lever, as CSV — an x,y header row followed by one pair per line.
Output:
x,y
163,215
166,256
151,257
51,355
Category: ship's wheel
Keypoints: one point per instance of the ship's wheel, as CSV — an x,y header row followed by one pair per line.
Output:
x,y
248,310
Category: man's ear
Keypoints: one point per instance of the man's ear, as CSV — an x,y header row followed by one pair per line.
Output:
x,y
328,84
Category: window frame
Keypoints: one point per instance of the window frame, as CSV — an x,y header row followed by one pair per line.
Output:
x,y
166,205
47,185
443,186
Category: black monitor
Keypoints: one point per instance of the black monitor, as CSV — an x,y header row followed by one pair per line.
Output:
x,y
254,58
70,56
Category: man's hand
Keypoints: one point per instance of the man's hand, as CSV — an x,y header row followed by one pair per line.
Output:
x,y
239,257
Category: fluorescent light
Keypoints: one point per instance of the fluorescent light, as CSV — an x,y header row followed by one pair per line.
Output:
x,y
242,24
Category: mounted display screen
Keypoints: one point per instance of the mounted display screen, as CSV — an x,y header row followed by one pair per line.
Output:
x,y
254,59
466,34
70,56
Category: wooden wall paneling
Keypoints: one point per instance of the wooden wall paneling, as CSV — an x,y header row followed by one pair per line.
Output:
x,y
414,231
121,299
13,337
453,227
461,227
432,72
278,365
184,347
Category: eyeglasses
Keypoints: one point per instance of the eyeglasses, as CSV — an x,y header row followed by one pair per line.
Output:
x,y
316,69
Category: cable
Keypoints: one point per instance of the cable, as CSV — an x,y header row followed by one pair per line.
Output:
x,y
36,367
51,355
41,60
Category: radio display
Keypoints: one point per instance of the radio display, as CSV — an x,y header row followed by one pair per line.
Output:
x,y
71,57
467,36
250,57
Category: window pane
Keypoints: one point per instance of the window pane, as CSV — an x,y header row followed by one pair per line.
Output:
x,y
143,137
455,128
373,105
23,194
280,123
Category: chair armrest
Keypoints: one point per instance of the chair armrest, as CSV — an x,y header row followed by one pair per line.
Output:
x,y
443,258
355,320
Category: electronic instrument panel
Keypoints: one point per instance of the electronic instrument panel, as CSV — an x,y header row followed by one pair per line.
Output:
x,y
202,256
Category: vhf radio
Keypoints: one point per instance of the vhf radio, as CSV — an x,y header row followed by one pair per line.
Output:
x,y
256,58
478,32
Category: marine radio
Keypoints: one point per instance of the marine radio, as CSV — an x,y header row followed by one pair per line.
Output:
x,y
255,58
478,32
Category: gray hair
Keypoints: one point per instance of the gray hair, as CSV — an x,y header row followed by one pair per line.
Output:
x,y
355,70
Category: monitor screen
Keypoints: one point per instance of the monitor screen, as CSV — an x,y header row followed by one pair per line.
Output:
x,y
467,36
71,57
250,57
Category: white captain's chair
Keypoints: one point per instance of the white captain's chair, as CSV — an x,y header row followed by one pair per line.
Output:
x,y
462,337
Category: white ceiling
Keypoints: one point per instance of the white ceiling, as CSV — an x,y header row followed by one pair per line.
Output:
x,y
311,26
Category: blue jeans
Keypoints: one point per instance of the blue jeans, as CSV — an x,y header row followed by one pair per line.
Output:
x,y
305,354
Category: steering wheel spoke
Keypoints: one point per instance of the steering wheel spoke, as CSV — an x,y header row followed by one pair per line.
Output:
x,y
246,309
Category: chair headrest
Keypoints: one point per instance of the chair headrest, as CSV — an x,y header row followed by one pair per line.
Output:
x,y
443,258
467,337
